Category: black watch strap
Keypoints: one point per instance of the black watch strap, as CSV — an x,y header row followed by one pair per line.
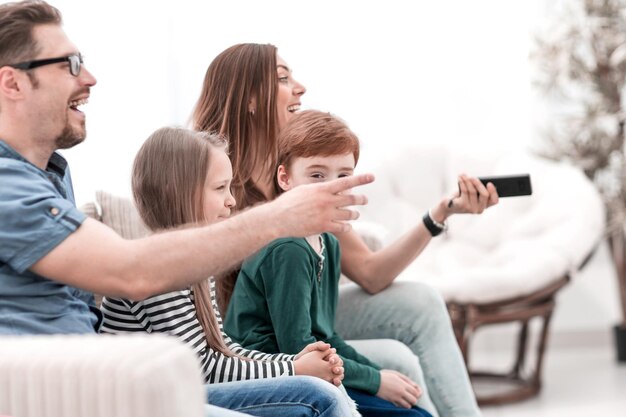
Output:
x,y
433,227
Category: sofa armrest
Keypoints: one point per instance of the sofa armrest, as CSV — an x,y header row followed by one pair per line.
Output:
x,y
99,375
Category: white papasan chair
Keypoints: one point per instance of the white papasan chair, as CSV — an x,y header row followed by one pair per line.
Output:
x,y
503,266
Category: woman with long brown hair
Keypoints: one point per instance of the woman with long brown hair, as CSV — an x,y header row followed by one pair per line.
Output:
x,y
249,94
181,178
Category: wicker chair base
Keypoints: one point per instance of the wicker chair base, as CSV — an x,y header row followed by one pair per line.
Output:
x,y
518,383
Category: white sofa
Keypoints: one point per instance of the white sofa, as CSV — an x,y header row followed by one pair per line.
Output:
x,y
99,376
505,265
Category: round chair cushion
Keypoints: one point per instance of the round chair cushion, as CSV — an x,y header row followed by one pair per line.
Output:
x,y
514,248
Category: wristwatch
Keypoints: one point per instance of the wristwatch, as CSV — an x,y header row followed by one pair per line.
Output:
x,y
435,228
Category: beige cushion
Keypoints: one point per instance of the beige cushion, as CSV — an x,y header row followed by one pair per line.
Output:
x,y
119,213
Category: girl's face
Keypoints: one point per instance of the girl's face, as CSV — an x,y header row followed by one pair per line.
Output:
x,y
217,199
289,93
315,169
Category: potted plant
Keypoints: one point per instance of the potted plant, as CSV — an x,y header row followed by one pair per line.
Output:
x,y
582,64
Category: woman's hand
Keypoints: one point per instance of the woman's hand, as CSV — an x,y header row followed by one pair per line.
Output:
x,y
472,197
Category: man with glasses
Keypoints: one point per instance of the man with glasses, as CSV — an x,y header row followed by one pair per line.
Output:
x,y
75,61
51,255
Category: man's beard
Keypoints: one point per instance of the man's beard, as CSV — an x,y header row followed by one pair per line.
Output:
x,y
70,137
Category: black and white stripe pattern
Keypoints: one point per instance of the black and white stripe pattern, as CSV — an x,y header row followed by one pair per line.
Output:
x,y
174,313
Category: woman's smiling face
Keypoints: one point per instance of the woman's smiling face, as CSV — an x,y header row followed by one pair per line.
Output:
x,y
289,93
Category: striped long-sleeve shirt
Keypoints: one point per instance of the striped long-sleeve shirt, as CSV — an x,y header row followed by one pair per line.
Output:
x,y
174,313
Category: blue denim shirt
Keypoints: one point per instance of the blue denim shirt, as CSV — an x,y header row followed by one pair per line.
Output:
x,y
37,212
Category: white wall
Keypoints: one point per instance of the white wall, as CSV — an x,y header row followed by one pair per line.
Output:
x,y
398,72
452,71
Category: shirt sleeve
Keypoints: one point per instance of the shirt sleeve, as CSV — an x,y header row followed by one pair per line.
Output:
x,y
287,275
34,217
223,368
247,364
174,313
121,316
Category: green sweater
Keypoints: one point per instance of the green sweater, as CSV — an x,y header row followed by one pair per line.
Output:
x,y
286,297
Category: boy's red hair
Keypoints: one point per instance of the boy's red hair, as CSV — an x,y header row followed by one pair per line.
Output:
x,y
315,133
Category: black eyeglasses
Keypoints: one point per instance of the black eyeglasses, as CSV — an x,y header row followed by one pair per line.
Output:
x,y
75,61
